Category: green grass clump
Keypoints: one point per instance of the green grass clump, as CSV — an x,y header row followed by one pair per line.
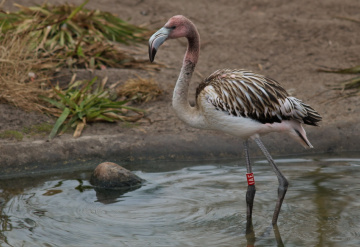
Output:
x,y
75,36
43,128
37,129
11,134
64,25
82,103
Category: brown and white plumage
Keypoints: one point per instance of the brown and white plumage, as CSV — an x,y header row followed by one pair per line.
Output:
x,y
237,102
244,94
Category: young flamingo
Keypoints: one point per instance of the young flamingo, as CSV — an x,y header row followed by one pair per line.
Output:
x,y
237,102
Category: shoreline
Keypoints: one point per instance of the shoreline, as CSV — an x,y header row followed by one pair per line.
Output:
x,y
63,152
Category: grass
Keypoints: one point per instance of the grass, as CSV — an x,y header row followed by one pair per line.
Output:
x,y
352,85
11,134
33,130
139,90
21,78
38,40
74,36
36,129
82,102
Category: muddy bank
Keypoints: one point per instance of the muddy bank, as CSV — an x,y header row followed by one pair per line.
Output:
x,y
69,153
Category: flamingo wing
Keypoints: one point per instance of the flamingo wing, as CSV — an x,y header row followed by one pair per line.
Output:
x,y
246,94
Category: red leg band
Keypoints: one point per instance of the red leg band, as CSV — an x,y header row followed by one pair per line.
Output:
x,y
250,178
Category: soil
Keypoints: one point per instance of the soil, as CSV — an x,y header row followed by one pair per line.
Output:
x,y
285,40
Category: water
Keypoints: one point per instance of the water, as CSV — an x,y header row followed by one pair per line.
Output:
x,y
187,204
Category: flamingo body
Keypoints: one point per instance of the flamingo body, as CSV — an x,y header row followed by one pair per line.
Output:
x,y
247,105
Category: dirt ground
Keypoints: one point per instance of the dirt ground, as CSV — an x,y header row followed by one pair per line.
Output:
x,y
285,40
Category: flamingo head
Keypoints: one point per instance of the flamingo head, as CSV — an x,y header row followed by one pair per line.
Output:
x,y
176,27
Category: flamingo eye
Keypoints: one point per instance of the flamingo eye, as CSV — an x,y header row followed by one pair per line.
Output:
x,y
173,27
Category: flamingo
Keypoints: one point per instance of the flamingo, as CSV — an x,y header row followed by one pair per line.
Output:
x,y
236,101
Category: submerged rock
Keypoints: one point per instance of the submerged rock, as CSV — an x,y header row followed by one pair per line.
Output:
x,y
108,175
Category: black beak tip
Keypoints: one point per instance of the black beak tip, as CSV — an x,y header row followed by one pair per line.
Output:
x,y
152,53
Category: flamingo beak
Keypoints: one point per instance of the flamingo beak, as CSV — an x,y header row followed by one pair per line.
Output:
x,y
156,40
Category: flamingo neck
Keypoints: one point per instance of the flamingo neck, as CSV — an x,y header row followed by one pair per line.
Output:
x,y
193,49
180,102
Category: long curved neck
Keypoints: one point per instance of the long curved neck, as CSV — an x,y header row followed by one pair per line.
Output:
x,y
185,112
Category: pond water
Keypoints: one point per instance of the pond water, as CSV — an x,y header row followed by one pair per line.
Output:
x,y
187,204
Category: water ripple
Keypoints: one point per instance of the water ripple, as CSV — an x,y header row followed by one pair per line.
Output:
x,y
193,206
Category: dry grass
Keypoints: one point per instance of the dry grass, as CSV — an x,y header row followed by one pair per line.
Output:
x,y
102,55
77,37
139,90
21,78
347,88
37,40
34,44
350,87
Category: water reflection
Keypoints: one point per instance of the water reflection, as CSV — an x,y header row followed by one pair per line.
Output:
x,y
250,234
195,205
108,196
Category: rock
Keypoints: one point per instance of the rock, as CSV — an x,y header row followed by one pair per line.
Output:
x,y
108,175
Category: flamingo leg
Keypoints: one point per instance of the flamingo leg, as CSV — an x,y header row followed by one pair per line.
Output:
x,y
283,183
250,194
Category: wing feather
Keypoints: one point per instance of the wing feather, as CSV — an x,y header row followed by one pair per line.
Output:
x,y
246,94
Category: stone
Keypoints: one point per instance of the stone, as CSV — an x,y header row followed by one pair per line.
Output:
x,y
108,175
